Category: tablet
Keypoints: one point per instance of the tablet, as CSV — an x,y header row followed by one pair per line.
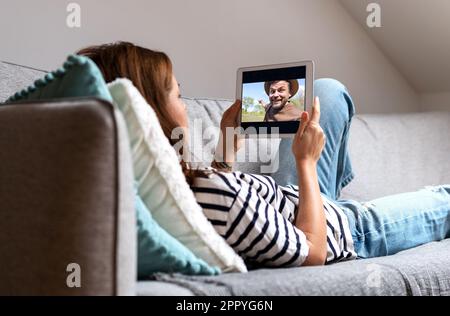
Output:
x,y
273,98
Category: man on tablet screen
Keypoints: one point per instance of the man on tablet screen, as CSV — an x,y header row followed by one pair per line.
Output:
x,y
279,107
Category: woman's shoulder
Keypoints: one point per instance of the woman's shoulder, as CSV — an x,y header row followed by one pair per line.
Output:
x,y
213,178
237,181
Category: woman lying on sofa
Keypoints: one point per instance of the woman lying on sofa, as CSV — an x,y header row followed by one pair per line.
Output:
x,y
273,225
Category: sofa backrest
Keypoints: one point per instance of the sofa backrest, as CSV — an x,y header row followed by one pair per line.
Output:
x,y
13,78
390,153
398,153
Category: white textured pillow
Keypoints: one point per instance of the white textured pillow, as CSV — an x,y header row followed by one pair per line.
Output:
x,y
162,185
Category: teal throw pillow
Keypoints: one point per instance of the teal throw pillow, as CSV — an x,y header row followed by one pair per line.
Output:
x,y
79,77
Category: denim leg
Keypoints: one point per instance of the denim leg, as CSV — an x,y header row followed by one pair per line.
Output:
x,y
398,222
334,167
337,109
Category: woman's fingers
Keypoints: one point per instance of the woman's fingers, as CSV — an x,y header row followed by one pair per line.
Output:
x,y
230,117
316,110
303,123
234,108
237,105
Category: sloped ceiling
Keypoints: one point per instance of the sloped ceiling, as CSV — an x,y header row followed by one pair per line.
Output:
x,y
415,36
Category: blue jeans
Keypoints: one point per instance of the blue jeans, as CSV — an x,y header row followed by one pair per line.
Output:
x,y
334,167
382,226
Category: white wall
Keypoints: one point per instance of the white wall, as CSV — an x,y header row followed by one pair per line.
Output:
x,y
209,39
414,36
435,101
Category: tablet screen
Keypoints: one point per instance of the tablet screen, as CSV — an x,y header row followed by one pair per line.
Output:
x,y
273,95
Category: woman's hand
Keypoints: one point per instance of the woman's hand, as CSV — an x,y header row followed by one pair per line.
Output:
x,y
309,141
307,148
230,120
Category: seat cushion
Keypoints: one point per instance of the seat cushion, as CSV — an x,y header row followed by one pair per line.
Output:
x,y
423,270
154,288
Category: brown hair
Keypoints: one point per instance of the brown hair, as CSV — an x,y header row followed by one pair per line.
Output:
x,y
151,73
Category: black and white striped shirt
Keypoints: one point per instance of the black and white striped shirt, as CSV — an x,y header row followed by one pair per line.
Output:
x,y
255,216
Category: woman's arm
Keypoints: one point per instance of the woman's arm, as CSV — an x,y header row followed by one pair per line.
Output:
x,y
310,216
307,148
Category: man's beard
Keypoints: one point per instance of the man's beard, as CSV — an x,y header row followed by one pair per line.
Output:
x,y
280,104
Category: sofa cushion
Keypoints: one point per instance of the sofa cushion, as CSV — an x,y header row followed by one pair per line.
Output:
x,y
79,77
162,185
154,288
424,270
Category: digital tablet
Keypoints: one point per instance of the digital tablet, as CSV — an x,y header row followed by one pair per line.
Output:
x,y
274,96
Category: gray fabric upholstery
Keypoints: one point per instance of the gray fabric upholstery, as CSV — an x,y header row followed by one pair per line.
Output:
x,y
14,78
420,271
390,153
398,153
155,288
66,197
126,242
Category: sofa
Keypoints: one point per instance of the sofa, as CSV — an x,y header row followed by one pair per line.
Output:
x,y
66,198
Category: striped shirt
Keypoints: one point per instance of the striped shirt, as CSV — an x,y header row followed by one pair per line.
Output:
x,y
255,216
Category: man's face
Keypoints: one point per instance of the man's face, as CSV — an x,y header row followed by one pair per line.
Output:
x,y
279,94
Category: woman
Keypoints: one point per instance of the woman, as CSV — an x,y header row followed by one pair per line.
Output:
x,y
268,224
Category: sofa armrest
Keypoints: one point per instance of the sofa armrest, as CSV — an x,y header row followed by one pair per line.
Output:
x,y
66,197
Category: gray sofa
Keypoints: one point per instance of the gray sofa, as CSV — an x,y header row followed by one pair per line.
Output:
x,y
66,197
